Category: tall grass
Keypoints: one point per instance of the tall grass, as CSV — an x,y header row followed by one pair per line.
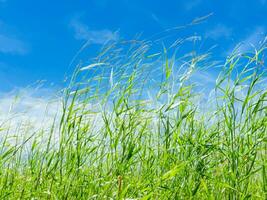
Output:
x,y
135,124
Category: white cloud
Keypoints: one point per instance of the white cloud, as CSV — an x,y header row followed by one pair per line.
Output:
x,y
25,113
12,45
219,31
27,107
83,32
31,113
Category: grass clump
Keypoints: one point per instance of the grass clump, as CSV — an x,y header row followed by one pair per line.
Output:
x,y
137,124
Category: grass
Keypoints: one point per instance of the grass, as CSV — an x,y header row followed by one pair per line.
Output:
x,y
136,124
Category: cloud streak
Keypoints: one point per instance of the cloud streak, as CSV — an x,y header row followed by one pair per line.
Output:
x,y
189,5
253,40
219,31
83,32
12,45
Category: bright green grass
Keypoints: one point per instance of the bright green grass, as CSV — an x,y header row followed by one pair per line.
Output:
x,y
137,125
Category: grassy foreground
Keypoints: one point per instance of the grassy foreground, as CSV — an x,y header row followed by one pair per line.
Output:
x,y
137,124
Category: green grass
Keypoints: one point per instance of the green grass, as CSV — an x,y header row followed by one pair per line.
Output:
x,y
136,124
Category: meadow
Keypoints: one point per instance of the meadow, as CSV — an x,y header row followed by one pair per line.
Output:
x,y
138,122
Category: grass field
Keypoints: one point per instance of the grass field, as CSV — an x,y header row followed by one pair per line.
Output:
x,y
143,123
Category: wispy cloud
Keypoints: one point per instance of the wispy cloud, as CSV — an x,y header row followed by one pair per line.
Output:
x,y
155,18
159,21
189,5
9,42
253,40
219,31
263,2
12,45
83,32
25,109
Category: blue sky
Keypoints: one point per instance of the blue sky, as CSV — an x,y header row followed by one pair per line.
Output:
x,y
38,39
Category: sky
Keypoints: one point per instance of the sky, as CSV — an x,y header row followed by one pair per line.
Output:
x,y
39,39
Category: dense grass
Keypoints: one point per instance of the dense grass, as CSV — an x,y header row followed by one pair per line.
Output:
x,y
137,124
